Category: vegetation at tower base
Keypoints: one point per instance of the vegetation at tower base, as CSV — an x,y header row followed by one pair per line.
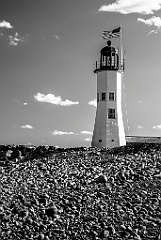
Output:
x,y
80,193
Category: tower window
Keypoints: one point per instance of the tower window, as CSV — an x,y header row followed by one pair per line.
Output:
x,y
104,60
108,60
111,96
111,113
113,59
103,96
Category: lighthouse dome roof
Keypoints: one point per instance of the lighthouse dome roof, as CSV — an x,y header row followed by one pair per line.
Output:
x,y
108,49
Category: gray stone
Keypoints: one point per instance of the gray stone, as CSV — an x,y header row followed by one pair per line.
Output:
x,y
101,179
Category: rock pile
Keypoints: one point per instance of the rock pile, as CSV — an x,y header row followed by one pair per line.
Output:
x,y
80,193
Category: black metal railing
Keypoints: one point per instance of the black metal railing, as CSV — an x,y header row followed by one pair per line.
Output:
x,y
104,66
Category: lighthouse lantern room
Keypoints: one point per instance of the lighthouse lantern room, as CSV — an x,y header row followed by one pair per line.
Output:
x,y
109,127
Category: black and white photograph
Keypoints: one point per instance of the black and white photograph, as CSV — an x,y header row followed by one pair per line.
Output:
x,y
80,119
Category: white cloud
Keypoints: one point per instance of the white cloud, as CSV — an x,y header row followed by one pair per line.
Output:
x,y
153,31
140,127
67,103
153,21
87,139
4,24
17,101
15,39
93,103
139,101
51,98
57,132
86,132
133,6
57,37
27,126
157,127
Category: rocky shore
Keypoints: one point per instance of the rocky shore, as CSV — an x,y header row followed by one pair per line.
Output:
x,y
80,193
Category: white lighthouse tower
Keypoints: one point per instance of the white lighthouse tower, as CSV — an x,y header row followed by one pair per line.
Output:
x,y
109,127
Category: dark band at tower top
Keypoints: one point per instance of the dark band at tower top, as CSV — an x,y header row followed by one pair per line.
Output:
x,y
109,59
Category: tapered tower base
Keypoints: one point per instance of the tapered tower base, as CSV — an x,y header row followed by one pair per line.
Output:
x,y
109,128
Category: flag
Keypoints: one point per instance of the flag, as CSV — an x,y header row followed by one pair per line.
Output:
x,y
112,34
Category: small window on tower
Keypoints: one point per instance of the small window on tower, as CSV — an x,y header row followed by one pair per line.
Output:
x,y
104,60
111,113
108,61
111,96
97,97
103,96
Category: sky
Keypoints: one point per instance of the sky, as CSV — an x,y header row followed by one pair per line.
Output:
x,y
47,52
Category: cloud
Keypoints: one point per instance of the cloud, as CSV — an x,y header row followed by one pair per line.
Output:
x,y
15,39
27,126
153,31
153,21
86,132
140,127
51,98
133,6
4,24
157,127
17,101
93,103
87,139
57,132
57,37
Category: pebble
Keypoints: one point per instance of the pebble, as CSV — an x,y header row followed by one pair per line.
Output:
x,y
106,233
49,202
101,179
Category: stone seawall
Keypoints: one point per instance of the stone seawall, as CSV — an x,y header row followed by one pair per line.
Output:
x,y
142,139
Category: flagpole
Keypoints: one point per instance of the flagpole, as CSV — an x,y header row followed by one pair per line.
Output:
x,y
121,50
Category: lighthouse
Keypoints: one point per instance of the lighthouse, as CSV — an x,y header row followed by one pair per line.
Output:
x,y
109,126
